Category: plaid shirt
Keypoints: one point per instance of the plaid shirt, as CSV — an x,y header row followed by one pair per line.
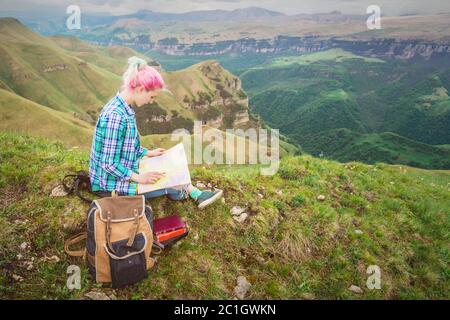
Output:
x,y
116,149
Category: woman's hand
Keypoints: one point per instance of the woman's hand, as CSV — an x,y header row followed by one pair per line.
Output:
x,y
147,178
155,153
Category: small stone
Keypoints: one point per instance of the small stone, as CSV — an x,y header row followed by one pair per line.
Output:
x,y
260,260
19,256
279,192
200,185
242,287
210,185
196,237
241,218
260,195
355,289
222,200
58,191
358,232
23,246
94,295
308,296
29,266
51,259
236,211
17,278
321,197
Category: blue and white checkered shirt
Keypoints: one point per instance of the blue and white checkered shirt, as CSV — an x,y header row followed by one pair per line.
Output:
x,y
116,149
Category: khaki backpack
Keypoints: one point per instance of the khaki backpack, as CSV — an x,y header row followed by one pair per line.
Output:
x,y
119,240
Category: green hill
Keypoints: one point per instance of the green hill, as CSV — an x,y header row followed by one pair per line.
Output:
x,y
24,116
111,58
345,145
35,68
292,245
67,74
55,87
311,97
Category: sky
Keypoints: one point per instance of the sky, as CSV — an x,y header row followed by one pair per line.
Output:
x,y
388,7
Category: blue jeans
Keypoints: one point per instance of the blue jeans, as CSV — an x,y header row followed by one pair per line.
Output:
x,y
173,194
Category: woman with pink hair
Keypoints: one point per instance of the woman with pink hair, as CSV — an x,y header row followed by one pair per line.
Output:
x,y
116,148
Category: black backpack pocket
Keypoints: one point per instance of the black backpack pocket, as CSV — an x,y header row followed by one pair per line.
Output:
x,y
128,263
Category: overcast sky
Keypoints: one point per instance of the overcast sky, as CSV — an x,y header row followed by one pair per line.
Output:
x,y
388,7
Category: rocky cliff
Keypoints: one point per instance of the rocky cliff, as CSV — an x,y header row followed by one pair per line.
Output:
x,y
389,48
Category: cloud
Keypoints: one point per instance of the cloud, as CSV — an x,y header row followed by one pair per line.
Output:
x,y
388,7
113,3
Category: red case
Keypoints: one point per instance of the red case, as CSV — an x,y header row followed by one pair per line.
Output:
x,y
167,224
169,230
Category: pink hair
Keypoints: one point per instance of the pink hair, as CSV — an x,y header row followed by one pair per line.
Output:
x,y
140,74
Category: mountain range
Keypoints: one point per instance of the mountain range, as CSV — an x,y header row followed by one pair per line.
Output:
x,y
56,87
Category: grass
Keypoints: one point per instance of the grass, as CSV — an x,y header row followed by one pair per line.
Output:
x,y
22,115
291,246
337,55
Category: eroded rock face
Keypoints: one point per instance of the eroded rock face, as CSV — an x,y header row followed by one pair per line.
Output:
x,y
399,49
55,67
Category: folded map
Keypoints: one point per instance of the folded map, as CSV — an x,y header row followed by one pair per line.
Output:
x,y
173,163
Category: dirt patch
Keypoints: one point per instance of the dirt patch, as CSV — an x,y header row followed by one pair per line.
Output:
x,y
12,194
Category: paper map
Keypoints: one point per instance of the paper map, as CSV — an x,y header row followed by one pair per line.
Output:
x,y
173,163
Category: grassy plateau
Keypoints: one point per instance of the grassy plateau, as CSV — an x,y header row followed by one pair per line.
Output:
x,y
313,229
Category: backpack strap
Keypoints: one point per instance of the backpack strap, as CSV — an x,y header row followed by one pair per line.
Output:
x,y
74,240
77,191
77,179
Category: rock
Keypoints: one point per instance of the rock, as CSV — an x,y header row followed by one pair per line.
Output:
x,y
242,287
355,289
196,237
279,192
94,295
241,218
200,185
223,200
17,278
29,265
58,191
51,259
210,185
358,232
308,296
19,256
23,246
260,260
260,195
321,197
237,211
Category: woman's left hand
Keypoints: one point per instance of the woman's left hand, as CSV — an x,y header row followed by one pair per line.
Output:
x,y
155,153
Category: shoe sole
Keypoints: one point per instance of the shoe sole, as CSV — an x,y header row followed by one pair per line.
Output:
x,y
217,196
